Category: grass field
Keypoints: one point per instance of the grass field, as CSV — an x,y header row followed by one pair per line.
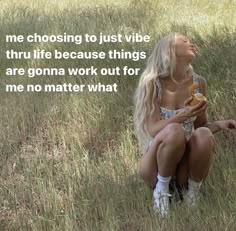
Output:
x,y
69,161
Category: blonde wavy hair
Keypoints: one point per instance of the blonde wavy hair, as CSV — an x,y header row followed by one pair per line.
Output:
x,y
160,64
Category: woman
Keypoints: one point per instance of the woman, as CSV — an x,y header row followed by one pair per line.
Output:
x,y
176,138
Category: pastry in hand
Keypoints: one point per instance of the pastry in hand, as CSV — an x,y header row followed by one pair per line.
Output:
x,y
197,97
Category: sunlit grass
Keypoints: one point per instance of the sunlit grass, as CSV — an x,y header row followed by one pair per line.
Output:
x,y
69,161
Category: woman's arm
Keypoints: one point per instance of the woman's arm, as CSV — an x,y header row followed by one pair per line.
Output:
x,y
155,124
202,119
220,125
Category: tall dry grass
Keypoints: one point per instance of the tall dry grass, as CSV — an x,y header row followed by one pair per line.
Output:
x,y
69,161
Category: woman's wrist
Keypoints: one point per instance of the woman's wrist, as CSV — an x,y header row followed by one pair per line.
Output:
x,y
213,126
184,115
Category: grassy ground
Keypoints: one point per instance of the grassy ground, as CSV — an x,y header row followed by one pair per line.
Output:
x,y
69,161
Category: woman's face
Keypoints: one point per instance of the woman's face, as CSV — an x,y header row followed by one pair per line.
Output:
x,y
184,48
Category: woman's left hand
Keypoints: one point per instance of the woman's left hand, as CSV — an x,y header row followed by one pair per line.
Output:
x,y
226,124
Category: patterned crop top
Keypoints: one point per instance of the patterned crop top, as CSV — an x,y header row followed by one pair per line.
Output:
x,y
168,113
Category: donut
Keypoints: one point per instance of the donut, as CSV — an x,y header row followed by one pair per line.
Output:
x,y
197,97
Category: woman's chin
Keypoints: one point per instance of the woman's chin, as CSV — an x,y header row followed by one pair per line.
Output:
x,y
192,53
187,57
191,57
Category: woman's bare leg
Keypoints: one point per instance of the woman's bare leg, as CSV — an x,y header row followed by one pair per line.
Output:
x,y
201,152
163,155
197,160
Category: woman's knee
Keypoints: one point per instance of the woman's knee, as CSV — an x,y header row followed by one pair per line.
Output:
x,y
202,146
173,134
172,143
203,139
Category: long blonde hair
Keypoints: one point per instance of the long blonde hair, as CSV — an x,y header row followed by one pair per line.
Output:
x,y
160,64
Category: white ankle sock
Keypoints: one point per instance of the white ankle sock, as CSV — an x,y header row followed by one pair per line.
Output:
x,y
162,184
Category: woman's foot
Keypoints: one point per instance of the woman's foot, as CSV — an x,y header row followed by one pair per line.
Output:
x,y
161,202
193,192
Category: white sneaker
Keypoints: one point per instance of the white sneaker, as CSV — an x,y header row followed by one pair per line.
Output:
x,y
192,197
161,203
193,192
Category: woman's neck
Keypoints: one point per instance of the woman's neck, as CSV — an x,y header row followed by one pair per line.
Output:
x,y
180,73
